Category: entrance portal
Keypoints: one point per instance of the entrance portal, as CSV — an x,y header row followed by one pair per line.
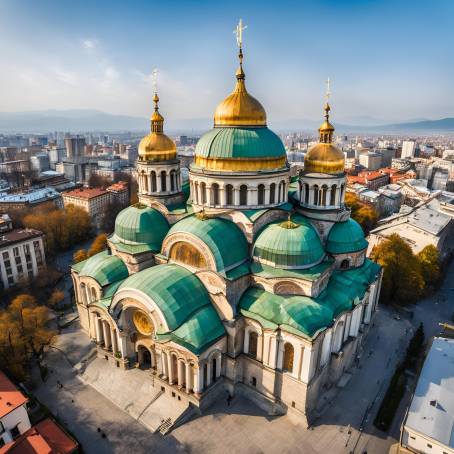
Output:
x,y
144,357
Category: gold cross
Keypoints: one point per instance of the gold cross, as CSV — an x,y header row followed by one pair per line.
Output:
x,y
154,77
328,89
239,33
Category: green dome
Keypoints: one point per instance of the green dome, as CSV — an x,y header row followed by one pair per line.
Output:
x,y
224,239
289,244
345,237
240,149
140,224
104,268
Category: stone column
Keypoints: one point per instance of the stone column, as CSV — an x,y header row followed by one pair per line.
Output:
x,y
223,196
218,365
158,182
236,196
209,196
180,373
149,186
171,372
297,361
98,328
267,195
273,352
165,365
168,187
253,196
198,380
209,366
106,331
113,336
188,377
308,364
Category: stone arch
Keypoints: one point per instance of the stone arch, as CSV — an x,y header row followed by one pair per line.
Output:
x,y
215,194
261,194
272,193
184,252
345,264
306,193
163,181
316,194
253,343
323,195
229,194
243,195
153,181
173,180
195,196
203,193
333,195
287,288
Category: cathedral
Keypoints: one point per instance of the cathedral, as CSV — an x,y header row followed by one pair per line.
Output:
x,y
243,280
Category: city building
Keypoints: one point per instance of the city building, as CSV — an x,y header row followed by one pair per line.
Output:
x,y
22,255
408,149
371,160
421,227
392,199
119,193
75,147
30,199
56,155
427,427
40,162
223,285
93,200
372,180
18,436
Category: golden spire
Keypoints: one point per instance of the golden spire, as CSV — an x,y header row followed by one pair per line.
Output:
x,y
156,146
240,108
326,129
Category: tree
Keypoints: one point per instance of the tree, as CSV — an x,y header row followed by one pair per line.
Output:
x,y
403,281
56,298
98,245
98,181
24,333
429,259
362,212
80,256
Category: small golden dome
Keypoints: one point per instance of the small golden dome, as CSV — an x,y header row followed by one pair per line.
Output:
x,y
156,146
325,157
240,108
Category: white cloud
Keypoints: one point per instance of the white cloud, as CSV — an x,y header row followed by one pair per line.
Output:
x,y
88,44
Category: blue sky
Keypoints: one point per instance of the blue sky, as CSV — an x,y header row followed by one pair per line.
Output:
x,y
389,60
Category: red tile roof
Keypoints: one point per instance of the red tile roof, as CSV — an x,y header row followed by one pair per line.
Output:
x,y
86,193
46,437
10,397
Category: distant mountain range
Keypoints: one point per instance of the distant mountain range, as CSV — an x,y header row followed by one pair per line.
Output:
x,y
78,120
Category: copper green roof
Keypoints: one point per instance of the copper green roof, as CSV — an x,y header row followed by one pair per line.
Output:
x,y
289,244
304,315
184,303
200,331
224,239
299,314
240,142
141,224
344,237
104,268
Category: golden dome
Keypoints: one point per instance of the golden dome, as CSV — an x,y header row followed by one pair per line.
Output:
x,y
156,146
240,108
325,157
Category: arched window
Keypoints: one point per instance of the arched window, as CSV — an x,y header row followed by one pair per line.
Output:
x,y
306,194
184,252
272,193
229,194
324,191
345,264
153,181
261,194
288,357
195,195
300,186
333,195
315,194
144,182
243,194
213,370
215,194
172,180
253,340
163,181
281,196
93,295
342,194
203,195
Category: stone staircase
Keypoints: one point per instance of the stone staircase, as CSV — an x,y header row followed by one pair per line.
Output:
x,y
138,393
